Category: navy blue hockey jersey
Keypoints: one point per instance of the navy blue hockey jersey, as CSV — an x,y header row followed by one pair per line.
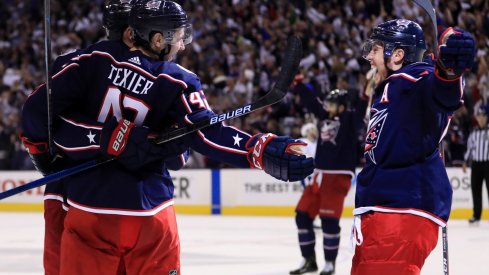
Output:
x,y
404,172
336,150
105,80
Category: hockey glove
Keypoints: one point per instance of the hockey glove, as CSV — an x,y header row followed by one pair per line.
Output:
x,y
41,158
456,53
274,155
131,146
199,115
177,163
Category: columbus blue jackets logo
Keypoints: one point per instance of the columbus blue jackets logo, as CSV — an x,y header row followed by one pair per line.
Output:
x,y
153,5
373,134
329,130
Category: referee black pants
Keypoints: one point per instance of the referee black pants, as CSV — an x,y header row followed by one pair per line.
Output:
x,y
480,172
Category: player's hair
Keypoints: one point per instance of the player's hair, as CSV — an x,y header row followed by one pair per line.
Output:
x,y
395,34
155,16
116,17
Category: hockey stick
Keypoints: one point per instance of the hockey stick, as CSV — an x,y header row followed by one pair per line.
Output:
x,y
430,10
290,65
47,59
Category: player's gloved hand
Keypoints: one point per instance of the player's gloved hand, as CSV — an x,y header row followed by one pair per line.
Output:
x,y
41,158
177,163
199,115
275,155
456,53
132,148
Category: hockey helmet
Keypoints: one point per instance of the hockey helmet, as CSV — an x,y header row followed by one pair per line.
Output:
x,y
166,17
116,17
398,33
338,96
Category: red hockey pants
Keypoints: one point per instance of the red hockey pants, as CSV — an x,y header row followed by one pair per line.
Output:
x,y
106,244
394,243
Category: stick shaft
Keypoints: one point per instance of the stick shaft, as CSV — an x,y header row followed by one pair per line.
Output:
x,y
47,68
427,6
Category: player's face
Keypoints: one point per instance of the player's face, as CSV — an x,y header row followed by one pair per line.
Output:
x,y
177,44
376,57
331,108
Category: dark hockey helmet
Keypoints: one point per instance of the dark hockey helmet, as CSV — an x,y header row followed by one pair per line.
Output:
x,y
116,17
167,17
338,96
398,33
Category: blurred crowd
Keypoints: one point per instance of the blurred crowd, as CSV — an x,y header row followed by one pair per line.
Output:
x,y
236,52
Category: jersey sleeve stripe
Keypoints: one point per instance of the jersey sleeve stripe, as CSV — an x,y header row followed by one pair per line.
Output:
x,y
36,90
72,65
236,129
405,76
77,149
87,126
185,103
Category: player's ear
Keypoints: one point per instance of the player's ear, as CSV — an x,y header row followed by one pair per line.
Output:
x,y
158,40
398,55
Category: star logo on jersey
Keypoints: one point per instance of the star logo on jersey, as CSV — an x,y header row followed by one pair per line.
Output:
x,y
91,137
237,139
329,130
374,130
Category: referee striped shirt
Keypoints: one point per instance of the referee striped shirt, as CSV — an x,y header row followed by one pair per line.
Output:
x,y
478,145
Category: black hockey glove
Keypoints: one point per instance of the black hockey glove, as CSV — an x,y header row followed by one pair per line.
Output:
x,y
456,53
177,163
276,156
132,148
41,158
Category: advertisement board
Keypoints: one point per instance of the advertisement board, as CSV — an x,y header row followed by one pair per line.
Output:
x,y
234,192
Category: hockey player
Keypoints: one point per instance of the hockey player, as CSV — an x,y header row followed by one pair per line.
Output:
x,y
335,162
115,18
121,218
403,193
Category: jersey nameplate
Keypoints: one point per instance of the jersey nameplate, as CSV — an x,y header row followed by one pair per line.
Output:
x,y
132,81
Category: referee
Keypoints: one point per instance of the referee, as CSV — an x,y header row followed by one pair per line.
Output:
x,y
478,153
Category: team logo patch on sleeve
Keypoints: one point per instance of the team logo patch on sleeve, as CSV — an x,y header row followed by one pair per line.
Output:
x,y
373,134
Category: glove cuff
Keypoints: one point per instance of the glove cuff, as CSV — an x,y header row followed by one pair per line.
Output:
x,y
119,138
34,148
256,147
446,75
